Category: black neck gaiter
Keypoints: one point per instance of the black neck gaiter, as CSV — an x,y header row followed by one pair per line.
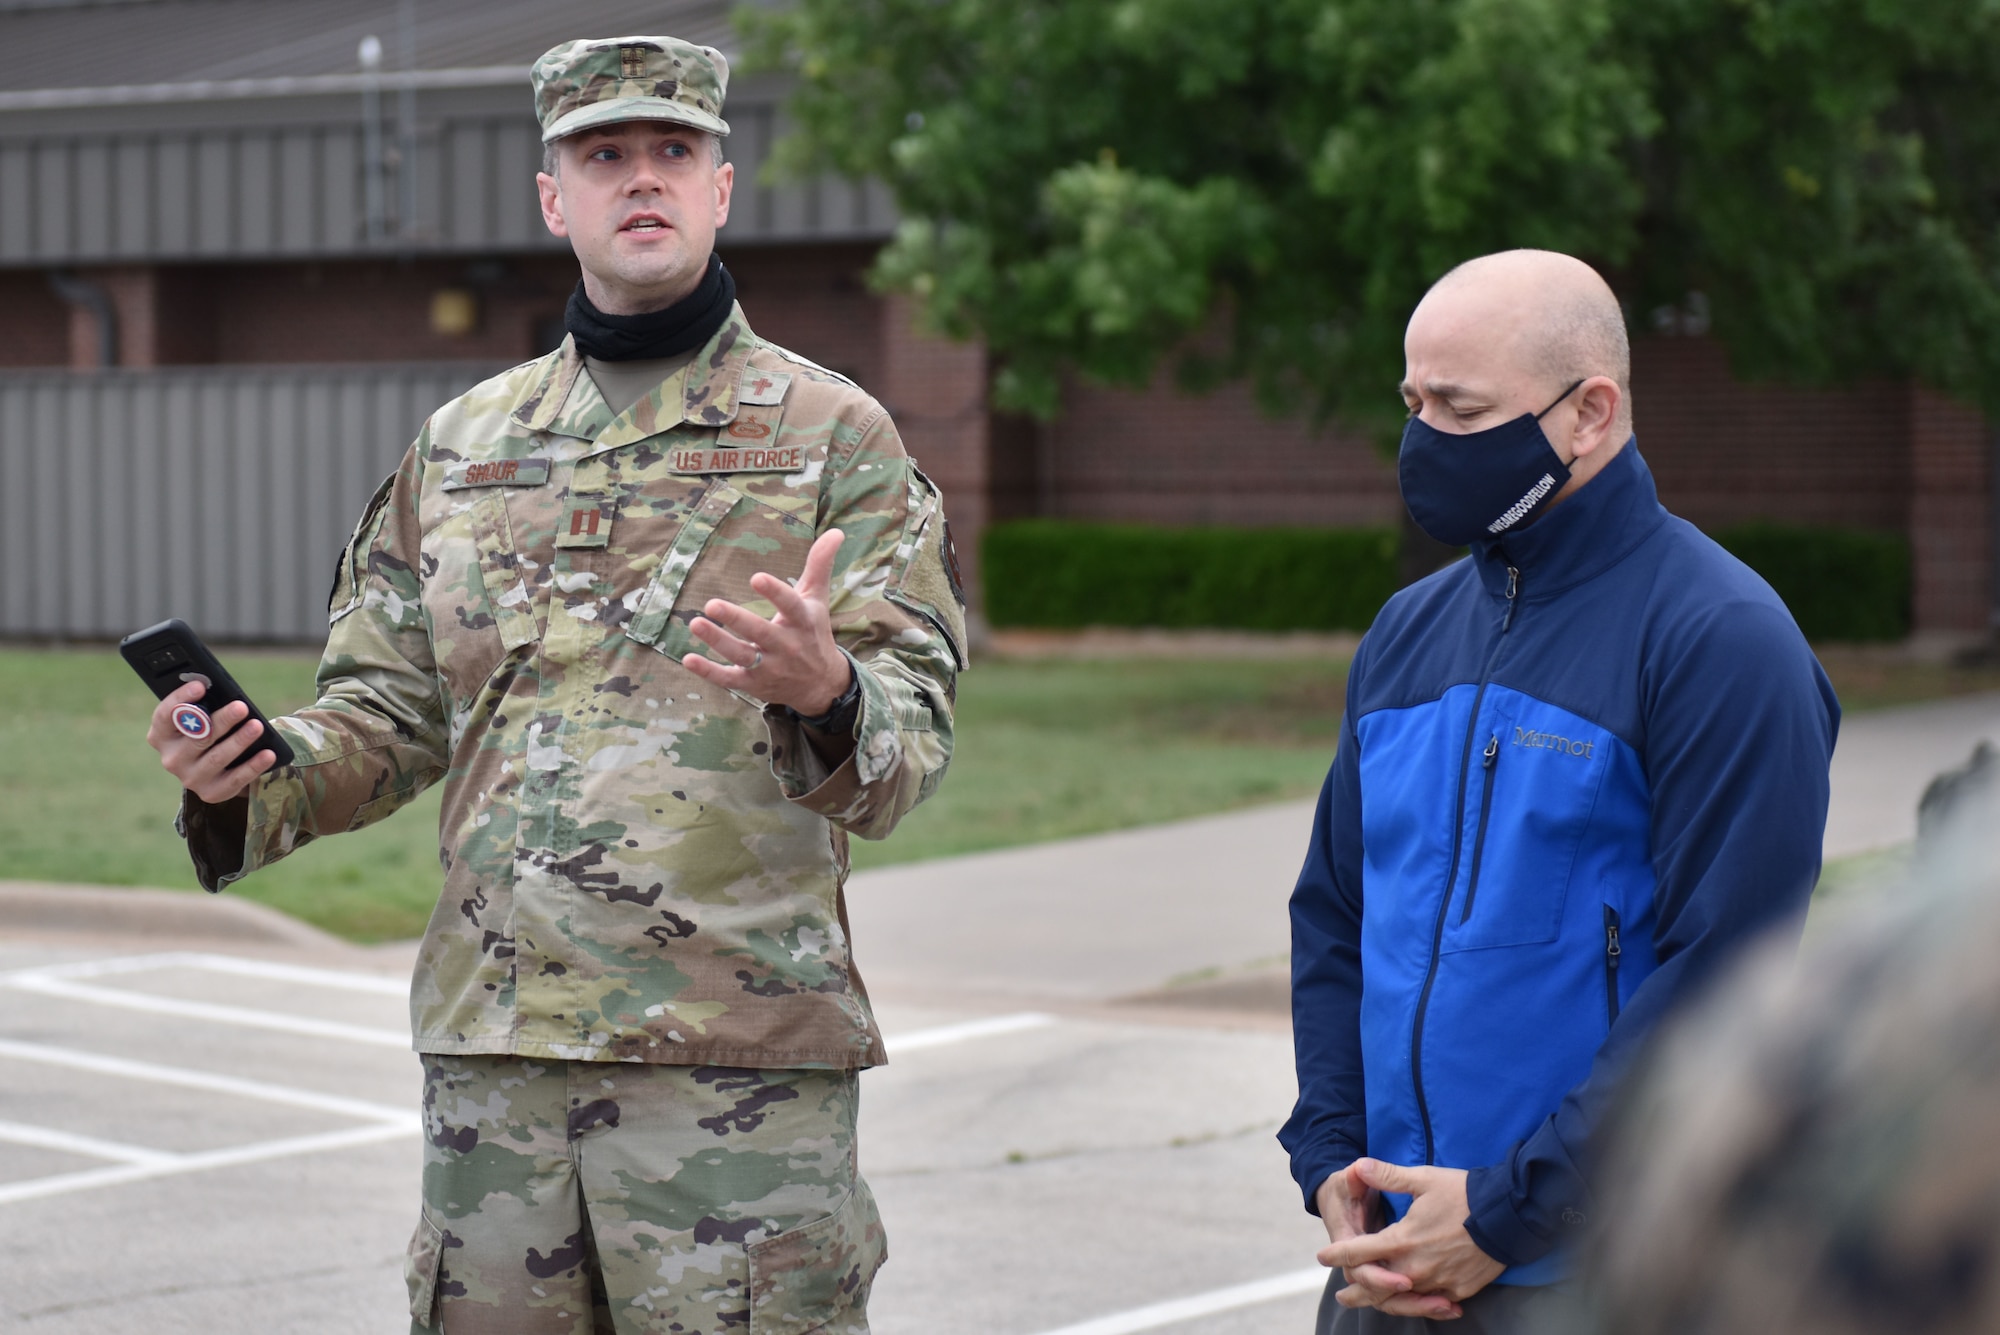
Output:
x,y
681,327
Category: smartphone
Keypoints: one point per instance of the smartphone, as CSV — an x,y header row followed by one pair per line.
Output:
x,y
170,655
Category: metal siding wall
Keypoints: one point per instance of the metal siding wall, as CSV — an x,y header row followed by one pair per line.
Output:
x,y
53,180
213,185
173,196
17,201
255,191
221,496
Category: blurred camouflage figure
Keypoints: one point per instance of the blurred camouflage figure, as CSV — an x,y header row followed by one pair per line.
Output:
x,y
1814,1151
560,607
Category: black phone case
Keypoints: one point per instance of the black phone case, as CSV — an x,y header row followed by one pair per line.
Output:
x,y
166,655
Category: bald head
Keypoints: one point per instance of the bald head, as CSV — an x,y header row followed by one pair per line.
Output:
x,y
1506,335
1536,315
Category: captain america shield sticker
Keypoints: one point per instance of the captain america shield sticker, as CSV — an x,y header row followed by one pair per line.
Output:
x,y
192,722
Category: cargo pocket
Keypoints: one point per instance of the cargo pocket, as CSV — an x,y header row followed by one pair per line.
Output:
x,y
808,1277
653,623
420,1270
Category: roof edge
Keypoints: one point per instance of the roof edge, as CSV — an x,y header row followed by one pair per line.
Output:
x,y
224,90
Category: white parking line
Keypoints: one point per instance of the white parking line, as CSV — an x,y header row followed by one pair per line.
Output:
x,y
990,1027
1201,1304
49,984
345,979
218,1084
64,1183
137,1163
48,1138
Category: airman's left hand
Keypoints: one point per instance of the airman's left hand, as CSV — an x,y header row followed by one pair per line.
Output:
x,y
790,659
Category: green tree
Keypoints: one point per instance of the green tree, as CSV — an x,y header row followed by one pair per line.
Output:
x,y
1264,188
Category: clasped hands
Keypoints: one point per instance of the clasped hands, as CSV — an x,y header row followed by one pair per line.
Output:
x,y
1423,1265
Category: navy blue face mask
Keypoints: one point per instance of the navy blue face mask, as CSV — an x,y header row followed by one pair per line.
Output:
x,y
1479,485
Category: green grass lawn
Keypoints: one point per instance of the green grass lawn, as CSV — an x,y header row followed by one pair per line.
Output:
x,y
1045,750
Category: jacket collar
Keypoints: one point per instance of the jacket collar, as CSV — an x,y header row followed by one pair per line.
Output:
x,y
564,401
1591,531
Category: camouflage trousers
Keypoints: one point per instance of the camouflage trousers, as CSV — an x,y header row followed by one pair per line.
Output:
x,y
593,1198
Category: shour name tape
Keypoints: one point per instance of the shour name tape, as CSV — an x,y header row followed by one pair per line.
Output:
x,y
739,459
497,473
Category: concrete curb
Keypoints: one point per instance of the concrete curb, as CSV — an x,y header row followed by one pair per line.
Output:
x,y
43,908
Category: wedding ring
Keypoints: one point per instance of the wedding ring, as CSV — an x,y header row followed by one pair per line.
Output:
x,y
757,661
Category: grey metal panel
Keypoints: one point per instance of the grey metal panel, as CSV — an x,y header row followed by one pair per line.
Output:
x,y
173,195
750,148
294,187
516,212
298,180
467,150
339,186
255,190
213,206
44,561
220,495
52,234
17,572
17,201
132,185
93,198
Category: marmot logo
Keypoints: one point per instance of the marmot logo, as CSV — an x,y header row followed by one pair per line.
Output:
x,y
1548,741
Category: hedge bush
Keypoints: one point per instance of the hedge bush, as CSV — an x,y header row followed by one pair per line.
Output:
x,y
1055,573
1841,584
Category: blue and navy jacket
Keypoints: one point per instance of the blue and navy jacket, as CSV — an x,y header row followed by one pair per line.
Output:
x,y
1576,772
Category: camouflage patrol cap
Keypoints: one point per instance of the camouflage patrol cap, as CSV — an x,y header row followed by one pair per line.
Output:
x,y
602,81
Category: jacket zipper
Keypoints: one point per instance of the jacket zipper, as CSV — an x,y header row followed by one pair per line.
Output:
x,y
1612,950
1451,876
1487,761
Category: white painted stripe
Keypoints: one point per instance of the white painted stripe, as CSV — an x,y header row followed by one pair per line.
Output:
x,y
1200,1305
219,1084
63,1184
100,968
990,1027
48,1138
60,981
347,980
49,985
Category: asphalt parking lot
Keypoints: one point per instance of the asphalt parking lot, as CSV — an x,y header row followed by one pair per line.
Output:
x,y
1074,1136
197,1141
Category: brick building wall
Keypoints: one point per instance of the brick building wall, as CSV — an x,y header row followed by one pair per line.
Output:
x,y
1880,456
1163,457
1951,511
34,323
1725,452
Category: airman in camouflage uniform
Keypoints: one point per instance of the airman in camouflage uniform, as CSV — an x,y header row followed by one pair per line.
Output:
x,y
1812,1150
642,924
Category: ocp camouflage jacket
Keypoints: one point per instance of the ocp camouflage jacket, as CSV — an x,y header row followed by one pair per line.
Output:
x,y
638,865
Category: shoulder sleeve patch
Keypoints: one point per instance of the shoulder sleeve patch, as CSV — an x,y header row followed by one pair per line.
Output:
x,y
927,581
345,595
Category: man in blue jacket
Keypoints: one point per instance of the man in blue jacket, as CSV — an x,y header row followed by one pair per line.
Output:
x,y
1576,773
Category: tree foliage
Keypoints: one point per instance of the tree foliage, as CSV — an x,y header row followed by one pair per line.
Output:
x,y
1266,187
